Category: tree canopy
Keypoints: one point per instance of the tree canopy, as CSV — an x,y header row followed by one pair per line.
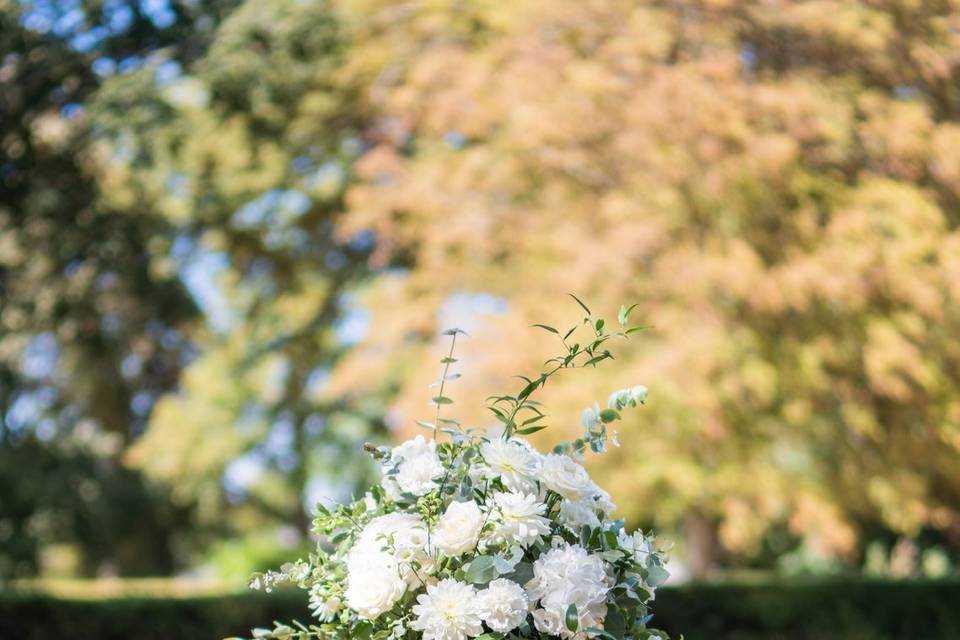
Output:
x,y
230,233
776,185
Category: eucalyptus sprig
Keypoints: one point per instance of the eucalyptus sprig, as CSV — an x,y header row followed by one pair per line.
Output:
x,y
509,409
440,399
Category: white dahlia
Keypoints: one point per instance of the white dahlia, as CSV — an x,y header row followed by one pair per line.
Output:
x,y
325,609
567,575
503,605
518,518
564,476
449,610
418,466
458,529
514,462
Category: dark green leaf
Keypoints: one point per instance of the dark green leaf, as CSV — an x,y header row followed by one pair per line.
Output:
x,y
580,302
529,430
530,388
571,619
547,327
442,400
594,360
614,623
610,539
522,573
609,415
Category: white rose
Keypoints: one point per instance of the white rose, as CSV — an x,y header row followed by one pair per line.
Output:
x,y
418,466
401,536
374,584
566,477
458,530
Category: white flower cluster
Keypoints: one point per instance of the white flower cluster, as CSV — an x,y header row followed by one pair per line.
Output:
x,y
564,576
478,535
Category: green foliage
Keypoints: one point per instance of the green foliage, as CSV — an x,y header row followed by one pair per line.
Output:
x,y
92,332
776,184
520,415
258,161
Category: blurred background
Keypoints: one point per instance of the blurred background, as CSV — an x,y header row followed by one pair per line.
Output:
x,y
232,230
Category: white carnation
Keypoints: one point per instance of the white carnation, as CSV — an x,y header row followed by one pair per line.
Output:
x,y
449,610
518,518
459,528
503,605
574,515
514,462
566,477
418,466
567,575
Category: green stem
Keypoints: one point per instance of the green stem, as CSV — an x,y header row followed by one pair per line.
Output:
x,y
443,382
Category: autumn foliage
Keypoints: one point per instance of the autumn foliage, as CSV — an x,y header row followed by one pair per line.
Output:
x,y
257,223
775,182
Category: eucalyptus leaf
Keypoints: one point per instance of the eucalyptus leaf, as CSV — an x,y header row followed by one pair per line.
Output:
x,y
481,570
656,575
572,619
522,573
614,624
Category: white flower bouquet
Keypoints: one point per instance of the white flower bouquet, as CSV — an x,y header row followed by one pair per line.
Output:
x,y
479,535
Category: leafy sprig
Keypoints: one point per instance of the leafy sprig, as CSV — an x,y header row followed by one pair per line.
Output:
x,y
519,414
440,399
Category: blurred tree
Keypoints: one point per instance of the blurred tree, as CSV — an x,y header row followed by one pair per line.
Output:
x,y
777,183
91,333
246,153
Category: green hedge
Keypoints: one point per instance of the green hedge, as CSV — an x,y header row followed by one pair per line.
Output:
x,y
836,609
811,610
